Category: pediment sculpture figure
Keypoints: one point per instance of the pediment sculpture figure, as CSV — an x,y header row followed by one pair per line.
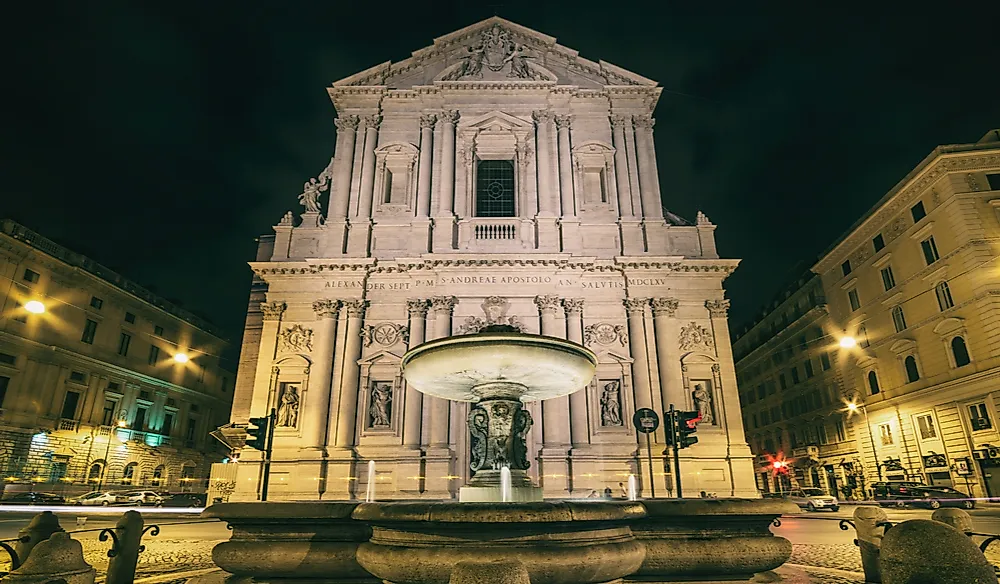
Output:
x,y
495,51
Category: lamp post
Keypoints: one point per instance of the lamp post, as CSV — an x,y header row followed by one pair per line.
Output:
x,y
854,407
122,415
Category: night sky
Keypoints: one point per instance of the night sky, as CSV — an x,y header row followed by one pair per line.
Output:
x,y
161,141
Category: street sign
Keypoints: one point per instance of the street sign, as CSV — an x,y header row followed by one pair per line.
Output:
x,y
962,467
645,420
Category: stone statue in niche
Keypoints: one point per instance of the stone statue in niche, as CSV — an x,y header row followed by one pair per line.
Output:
x,y
380,406
703,401
611,404
288,407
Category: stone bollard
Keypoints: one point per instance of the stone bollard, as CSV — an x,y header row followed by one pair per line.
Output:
x,y
41,528
956,518
869,540
499,572
930,552
57,558
125,550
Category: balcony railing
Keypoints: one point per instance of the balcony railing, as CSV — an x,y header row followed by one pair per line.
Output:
x,y
493,231
70,425
494,234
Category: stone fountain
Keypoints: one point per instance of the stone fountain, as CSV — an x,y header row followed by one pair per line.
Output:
x,y
499,369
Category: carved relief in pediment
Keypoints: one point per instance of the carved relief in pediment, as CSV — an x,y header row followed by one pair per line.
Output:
x,y
494,56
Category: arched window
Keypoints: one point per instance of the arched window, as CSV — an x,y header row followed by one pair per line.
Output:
x,y
960,352
863,337
95,472
159,476
910,363
898,320
873,383
944,296
128,473
495,188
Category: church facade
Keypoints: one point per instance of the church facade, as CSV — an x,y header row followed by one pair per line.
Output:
x,y
493,177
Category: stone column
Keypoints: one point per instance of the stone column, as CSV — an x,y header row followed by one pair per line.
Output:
x,y
727,399
444,223
546,203
554,469
340,190
359,235
618,125
641,385
272,313
425,167
565,167
633,166
439,408
667,353
649,182
579,428
414,399
348,413
317,405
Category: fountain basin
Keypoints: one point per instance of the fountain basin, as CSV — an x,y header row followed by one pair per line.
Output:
x,y
281,540
508,365
564,542
710,539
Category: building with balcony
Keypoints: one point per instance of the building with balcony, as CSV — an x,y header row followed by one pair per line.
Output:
x,y
916,281
792,395
101,381
493,177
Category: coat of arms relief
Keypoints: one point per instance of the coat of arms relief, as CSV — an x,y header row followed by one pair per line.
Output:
x,y
694,336
495,308
496,52
296,339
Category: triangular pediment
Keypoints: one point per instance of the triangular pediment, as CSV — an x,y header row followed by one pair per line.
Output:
x,y
491,51
381,357
497,121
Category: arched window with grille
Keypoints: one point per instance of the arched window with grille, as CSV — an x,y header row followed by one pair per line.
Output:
x,y
910,364
960,352
873,383
944,296
495,188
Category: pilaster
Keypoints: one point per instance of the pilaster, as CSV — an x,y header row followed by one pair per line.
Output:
x,y
439,457
359,237
668,358
317,403
555,471
340,189
444,219
272,313
641,384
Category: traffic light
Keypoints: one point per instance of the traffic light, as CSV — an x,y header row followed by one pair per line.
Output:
x,y
257,433
687,425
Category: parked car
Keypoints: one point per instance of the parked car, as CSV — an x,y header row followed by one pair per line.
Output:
x,y
102,498
937,497
889,493
143,498
190,500
32,498
812,499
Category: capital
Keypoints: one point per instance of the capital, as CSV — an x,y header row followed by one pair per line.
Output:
x,y
665,306
372,121
541,117
621,121
573,305
717,308
563,121
644,122
444,303
547,303
326,308
416,307
273,310
636,305
448,117
345,123
428,120
355,307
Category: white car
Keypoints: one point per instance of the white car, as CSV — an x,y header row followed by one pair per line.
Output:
x,y
143,498
97,498
812,499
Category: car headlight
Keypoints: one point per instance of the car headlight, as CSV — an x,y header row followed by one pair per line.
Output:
x,y
834,500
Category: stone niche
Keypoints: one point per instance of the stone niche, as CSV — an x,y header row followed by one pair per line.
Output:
x,y
395,180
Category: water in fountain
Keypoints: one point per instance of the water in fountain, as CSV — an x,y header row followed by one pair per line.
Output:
x,y
370,491
506,493
633,488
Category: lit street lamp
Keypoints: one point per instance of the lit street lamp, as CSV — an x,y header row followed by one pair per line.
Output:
x,y
34,307
107,451
181,358
848,342
853,407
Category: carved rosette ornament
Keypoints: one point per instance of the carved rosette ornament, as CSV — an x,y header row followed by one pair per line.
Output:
x,y
355,307
573,306
326,308
547,303
416,307
665,306
694,336
605,334
296,339
636,305
717,308
386,334
272,310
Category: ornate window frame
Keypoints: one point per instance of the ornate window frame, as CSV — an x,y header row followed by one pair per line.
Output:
x,y
589,157
904,349
399,159
948,329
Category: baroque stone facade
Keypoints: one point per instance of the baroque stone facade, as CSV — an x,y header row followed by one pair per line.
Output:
x,y
493,178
